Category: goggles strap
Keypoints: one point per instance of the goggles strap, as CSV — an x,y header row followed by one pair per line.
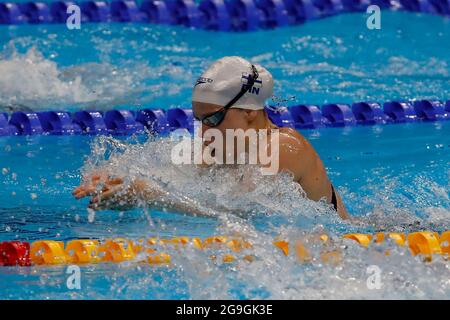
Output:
x,y
245,88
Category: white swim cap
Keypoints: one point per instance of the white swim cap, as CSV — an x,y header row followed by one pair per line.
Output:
x,y
224,79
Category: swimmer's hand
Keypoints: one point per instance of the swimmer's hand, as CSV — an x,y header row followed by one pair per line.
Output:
x,y
116,196
97,182
114,193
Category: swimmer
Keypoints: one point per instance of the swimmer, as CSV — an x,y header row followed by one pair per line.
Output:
x,y
230,94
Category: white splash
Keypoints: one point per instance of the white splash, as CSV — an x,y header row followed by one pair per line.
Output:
x,y
28,80
280,207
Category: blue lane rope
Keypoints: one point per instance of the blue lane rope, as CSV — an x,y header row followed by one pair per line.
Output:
x,y
158,121
222,15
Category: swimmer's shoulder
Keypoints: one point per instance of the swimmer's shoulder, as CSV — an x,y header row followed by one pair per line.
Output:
x,y
291,154
297,152
290,137
292,141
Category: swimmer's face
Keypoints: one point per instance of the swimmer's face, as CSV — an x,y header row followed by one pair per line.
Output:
x,y
234,118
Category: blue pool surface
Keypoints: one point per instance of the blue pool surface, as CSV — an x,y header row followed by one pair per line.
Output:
x,y
134,65
392,177
395,177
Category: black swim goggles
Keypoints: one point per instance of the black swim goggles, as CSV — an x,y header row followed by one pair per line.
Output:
x,y
216,118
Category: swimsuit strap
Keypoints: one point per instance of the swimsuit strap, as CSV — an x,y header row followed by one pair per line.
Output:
x,y
333,197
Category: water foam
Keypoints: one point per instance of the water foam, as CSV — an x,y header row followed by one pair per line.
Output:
x,y
30,81
277,207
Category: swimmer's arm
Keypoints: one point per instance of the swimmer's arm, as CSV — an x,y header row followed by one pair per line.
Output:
x,y
122,197
162,199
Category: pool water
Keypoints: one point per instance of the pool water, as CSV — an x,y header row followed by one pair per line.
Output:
x,y
134,65
392,177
